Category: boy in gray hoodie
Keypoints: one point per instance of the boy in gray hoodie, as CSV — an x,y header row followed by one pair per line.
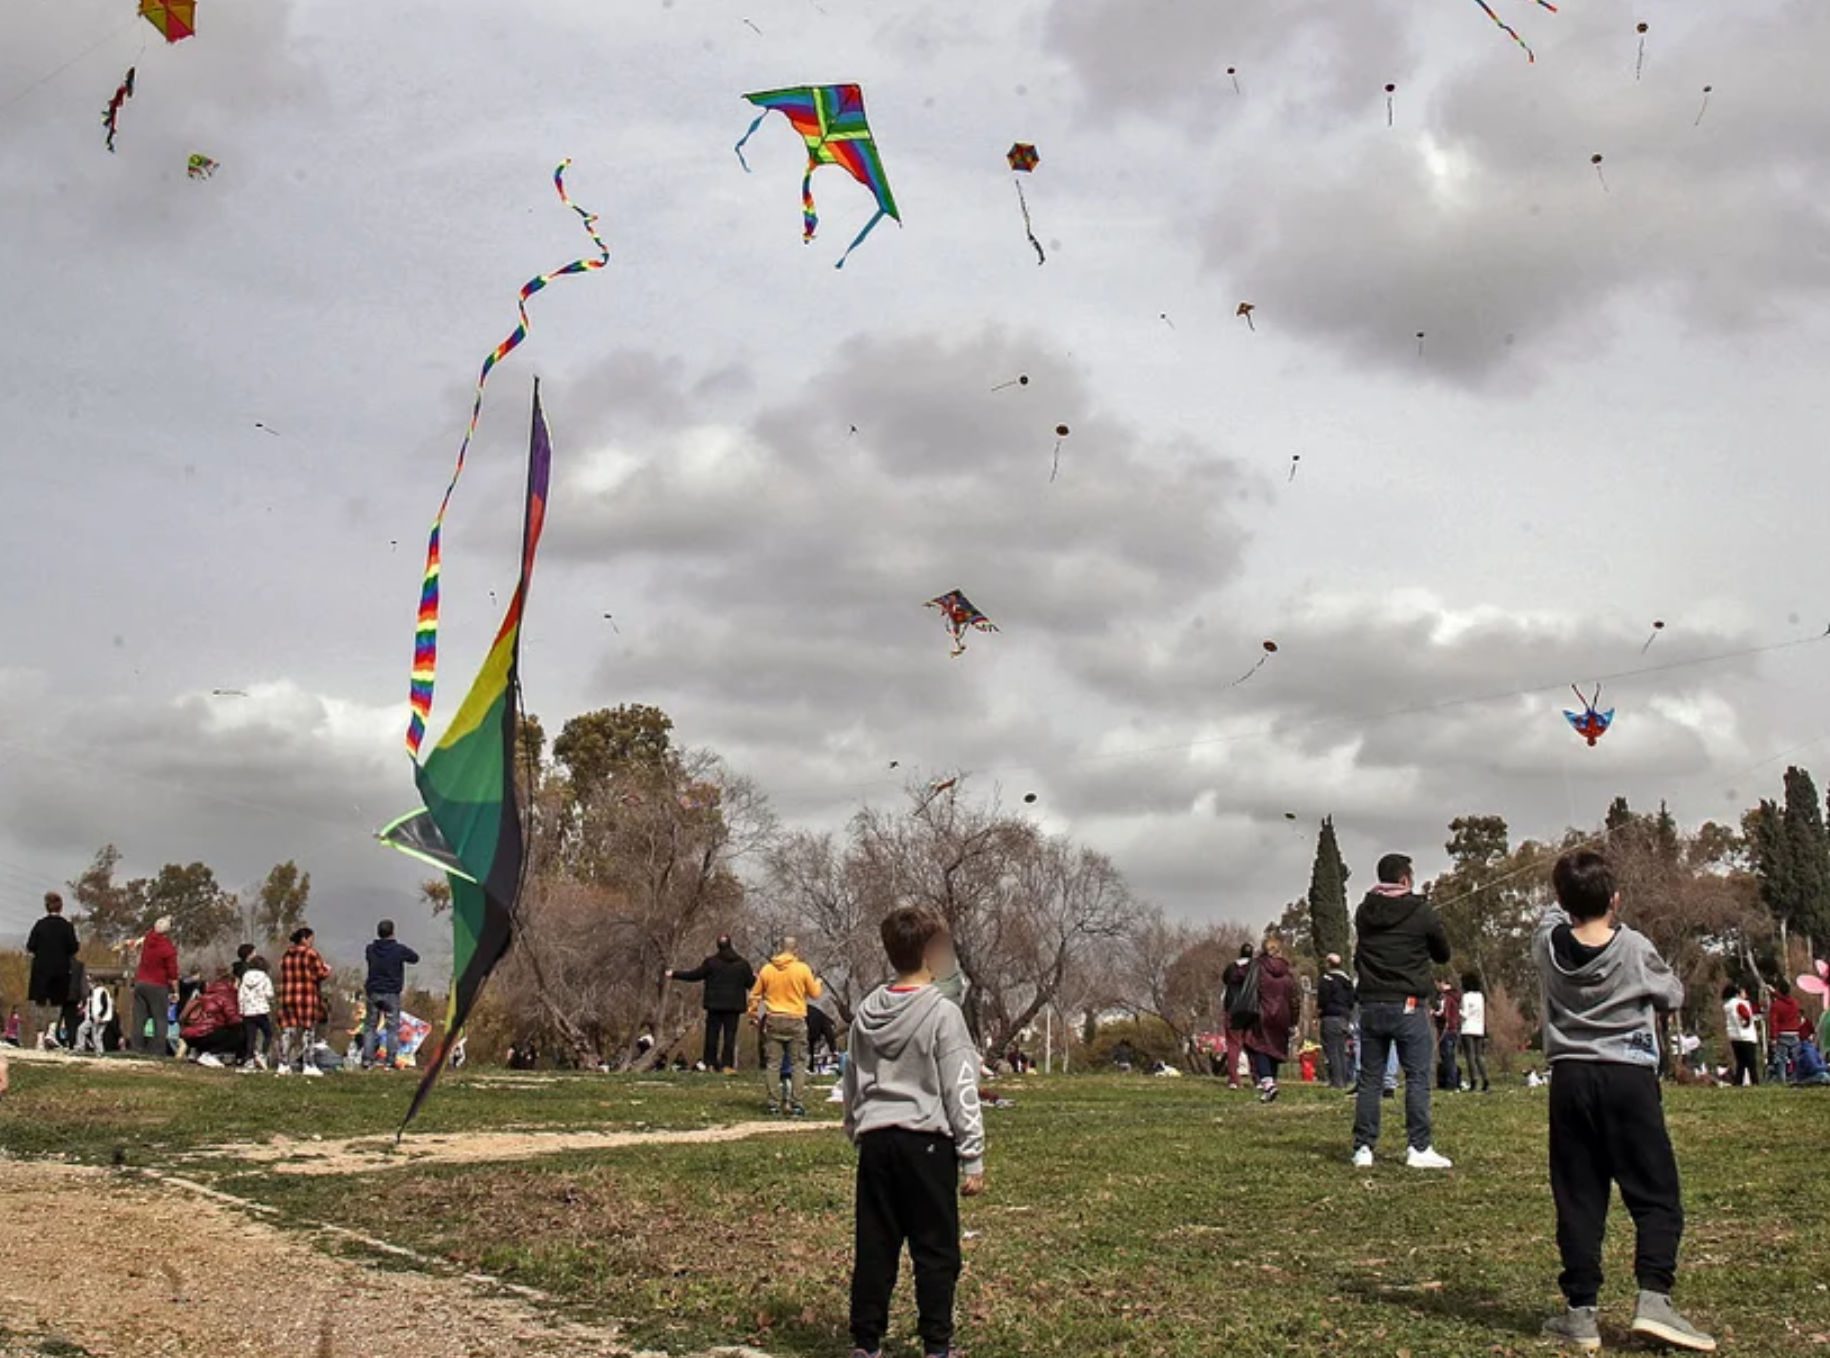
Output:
x,y
1603,985
912,1110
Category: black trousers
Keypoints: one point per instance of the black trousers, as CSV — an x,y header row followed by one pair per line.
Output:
x,y
1747,1063
720,1041
908,1190
1607,1127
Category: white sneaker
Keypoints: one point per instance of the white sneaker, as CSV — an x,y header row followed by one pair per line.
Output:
x,y
210,1059
1362,1158
313,1070
1428,1158
260,1061
283,1070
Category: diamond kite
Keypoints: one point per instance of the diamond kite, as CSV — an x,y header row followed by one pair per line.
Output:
x,y
830,119
176,19
1246,309
960,614
1590,723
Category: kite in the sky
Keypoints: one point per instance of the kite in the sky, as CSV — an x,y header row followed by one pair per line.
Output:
x,y
1595,160
1020,380
469,823
1658,625
1233,74
830,119
1061,433
1390,90
1707,90
176,19
960,614
1270,649
1420,344
1023,160
200,167
1529,54
111,115
1246,309
1590,723
1639,66
1295,459
425,640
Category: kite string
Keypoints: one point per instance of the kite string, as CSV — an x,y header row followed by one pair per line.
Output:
x,y
425,638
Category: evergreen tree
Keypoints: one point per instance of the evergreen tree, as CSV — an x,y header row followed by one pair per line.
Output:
x,y
1328,925
1806,849
279,908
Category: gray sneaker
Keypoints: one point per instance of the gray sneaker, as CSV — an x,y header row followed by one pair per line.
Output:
x,y
1658,1318
1575,1328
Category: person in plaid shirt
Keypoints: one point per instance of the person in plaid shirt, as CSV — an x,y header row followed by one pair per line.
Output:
x,y
303,972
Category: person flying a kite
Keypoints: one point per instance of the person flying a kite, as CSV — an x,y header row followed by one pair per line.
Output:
x,y
830,119
960,613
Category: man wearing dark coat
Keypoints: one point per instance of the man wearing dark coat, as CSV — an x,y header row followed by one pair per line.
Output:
x,y
52,944
728,977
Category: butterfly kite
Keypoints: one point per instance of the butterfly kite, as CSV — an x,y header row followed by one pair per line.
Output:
x,y
960,614
830,119
1590,723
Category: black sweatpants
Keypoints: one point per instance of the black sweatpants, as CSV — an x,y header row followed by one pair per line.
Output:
x,y
908,1189
1607,1127
720,1041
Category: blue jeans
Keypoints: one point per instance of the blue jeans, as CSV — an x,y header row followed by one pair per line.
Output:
x,y
374,1035
1385,1027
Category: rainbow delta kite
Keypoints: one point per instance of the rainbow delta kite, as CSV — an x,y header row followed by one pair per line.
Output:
x,y
830,119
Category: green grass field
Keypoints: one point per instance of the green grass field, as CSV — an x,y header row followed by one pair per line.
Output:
x,y
1126,1216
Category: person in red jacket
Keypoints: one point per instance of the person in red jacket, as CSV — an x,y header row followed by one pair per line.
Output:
x,y
1786,1025
155,987
211,1023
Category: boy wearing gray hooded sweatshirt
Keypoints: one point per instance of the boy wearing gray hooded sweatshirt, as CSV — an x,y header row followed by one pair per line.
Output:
x,y
912,1110
1603,985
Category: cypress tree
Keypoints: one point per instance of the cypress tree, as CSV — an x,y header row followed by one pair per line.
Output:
x,y
1805,849
1328,895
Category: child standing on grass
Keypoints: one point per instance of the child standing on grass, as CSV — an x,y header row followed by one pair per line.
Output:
x,y
1602,984
912,1110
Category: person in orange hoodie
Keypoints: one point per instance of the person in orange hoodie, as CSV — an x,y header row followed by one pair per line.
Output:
x,y
778,1005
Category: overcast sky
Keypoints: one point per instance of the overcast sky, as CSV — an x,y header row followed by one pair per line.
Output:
x,y
1617,415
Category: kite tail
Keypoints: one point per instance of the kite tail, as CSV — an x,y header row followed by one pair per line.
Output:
x,y
859,239
425,635
810,220
746,136
1529,54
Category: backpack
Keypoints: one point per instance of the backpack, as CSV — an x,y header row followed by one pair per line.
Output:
x,y
1243,1012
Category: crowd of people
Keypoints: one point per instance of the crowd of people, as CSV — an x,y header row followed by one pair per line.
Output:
x,y
247,1014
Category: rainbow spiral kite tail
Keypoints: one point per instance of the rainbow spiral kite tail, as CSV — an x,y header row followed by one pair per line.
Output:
x,y
425,635
1530,55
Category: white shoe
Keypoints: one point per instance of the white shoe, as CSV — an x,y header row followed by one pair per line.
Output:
x,y
210,1059
1428,1158
1362,1158
283,1070
260,1061
313,1070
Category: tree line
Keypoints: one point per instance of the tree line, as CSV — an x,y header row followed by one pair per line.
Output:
x,y
641,851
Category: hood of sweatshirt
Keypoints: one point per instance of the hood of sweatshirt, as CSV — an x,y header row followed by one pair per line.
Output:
x,y
783,960
1581,965
894,1018
1379,912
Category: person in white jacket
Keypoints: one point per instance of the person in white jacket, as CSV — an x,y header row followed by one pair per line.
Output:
x,y
254,994
98,1013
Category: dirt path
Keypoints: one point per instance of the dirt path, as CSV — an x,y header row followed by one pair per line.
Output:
x,y
185,1274
368,1155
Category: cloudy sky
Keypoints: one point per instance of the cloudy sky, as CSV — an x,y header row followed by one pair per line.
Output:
x,y
230,408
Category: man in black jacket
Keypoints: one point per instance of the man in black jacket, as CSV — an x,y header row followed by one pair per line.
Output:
x,y
1335,1001
728,978
388,960
52,944
1400,936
